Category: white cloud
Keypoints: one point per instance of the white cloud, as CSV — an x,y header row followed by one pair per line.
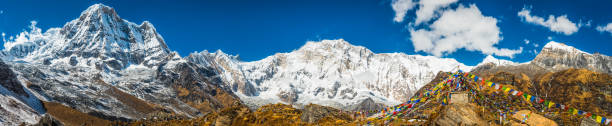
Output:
x,y
526,41
535,52
401,7
607,28
549,37
535,45
464,27
1,11
428,7
558,24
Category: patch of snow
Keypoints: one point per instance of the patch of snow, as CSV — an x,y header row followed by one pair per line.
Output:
x,y
498,62
561,46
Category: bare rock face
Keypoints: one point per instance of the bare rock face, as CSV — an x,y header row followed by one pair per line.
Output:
x,y
557,56
367,104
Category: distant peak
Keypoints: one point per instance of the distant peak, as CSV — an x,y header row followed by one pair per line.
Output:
x,y
492,59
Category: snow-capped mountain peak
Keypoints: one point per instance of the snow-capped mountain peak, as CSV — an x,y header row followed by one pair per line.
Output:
x,y
99,10
328,72
558,56
97,39
552,45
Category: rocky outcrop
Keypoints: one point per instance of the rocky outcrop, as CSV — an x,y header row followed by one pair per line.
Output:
x,y
314,113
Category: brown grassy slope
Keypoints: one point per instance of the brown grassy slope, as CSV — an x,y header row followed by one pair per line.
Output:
x,y
72,117
268,115
580,88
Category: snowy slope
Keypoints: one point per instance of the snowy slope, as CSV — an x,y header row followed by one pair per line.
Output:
x,y
331,72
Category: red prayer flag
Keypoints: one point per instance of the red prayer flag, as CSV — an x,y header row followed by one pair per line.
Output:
x,y
519,93
541,100
588,114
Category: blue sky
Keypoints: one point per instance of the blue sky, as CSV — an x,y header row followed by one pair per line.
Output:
x,y
256,29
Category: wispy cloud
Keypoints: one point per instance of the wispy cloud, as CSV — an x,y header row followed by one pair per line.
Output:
x,y
607,28
401,7
560,24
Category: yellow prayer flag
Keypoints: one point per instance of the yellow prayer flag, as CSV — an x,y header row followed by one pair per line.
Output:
x,y
507,90
528,97
598,118
551,104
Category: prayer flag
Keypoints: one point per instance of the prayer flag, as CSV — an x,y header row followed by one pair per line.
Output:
x,y
519,93
598,118
490,84
551,104
541,100
496,87
514,93
588,114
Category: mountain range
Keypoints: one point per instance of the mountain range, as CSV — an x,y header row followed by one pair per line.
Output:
x,y
113,69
